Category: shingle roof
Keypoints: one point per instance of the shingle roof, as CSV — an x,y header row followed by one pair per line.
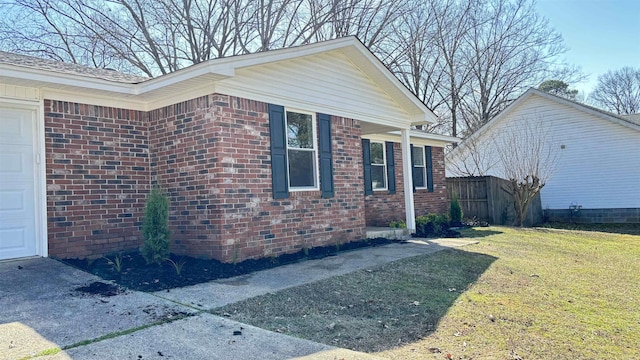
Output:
x,y
67,68
632,117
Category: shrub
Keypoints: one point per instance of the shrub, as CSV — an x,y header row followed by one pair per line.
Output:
x,y
455,210
155,227
398,224
432,224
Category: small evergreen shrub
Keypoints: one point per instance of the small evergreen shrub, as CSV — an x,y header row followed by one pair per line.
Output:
x,y
398,224
432,225
455,211
155,227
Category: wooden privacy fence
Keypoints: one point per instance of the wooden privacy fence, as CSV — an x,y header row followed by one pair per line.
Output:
x,y
484,198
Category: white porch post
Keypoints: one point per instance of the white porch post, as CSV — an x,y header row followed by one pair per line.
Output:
x,y
407,170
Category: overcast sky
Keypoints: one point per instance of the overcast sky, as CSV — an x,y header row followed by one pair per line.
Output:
x,y
601,35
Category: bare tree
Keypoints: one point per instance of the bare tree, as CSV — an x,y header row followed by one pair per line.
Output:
x,y
466,60
527,158
510,48
618,91
475,156
415,62
160,36
453,25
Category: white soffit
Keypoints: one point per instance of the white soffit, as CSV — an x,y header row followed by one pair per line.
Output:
x,y
417,138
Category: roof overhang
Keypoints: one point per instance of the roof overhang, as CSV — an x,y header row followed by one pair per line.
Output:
x,y
417,138
151,94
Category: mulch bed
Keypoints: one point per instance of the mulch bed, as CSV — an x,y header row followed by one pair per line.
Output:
x,y
135,274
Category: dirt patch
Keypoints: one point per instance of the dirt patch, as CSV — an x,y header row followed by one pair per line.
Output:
x,y
134,273
100,288
164,313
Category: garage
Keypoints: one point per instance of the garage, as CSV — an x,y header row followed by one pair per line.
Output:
x,y
19,182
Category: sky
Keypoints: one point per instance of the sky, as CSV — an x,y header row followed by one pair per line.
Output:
x,y
601,35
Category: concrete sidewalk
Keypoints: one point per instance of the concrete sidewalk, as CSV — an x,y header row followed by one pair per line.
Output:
x,y
40,310
218,293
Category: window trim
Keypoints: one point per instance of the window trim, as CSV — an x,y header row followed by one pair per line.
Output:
x,y
384,165
315,149
424,167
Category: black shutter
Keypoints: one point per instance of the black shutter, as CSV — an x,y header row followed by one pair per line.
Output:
x,y
413,169
279,177
427,150
326,157
391,168
366,164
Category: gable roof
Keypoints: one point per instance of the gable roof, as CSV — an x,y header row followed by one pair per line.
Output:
x,y
629,122
139,92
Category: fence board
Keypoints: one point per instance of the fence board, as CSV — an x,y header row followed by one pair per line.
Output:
x,y
484,198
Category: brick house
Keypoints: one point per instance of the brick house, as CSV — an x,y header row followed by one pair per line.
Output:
x,y
260,154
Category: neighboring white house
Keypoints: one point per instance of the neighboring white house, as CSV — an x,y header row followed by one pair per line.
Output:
x,y
597,164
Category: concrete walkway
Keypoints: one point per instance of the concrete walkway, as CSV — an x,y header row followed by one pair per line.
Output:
x,y
40,310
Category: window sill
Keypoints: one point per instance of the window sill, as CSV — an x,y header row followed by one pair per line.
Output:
x,y
304,189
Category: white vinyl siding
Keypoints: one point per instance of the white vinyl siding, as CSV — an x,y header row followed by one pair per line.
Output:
x,y
327,83
598,168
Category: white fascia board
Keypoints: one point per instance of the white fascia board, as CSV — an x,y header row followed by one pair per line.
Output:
x,y
265,57
587,109
189,73
437,137
53,78
102,100
417,138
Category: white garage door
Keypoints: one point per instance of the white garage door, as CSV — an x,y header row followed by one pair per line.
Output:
x,y
17,183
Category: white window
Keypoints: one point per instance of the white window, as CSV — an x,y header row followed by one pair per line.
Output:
x,y
302,151
419,168
378,166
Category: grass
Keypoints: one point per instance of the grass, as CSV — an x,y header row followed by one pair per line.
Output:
x,y
520,293
630,229
47,352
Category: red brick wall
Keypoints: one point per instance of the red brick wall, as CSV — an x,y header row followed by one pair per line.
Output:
x,y
252,224
212,156
433,202
181,142
97,178
382,207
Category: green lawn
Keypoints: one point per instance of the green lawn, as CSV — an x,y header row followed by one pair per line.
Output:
x,y
519,293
